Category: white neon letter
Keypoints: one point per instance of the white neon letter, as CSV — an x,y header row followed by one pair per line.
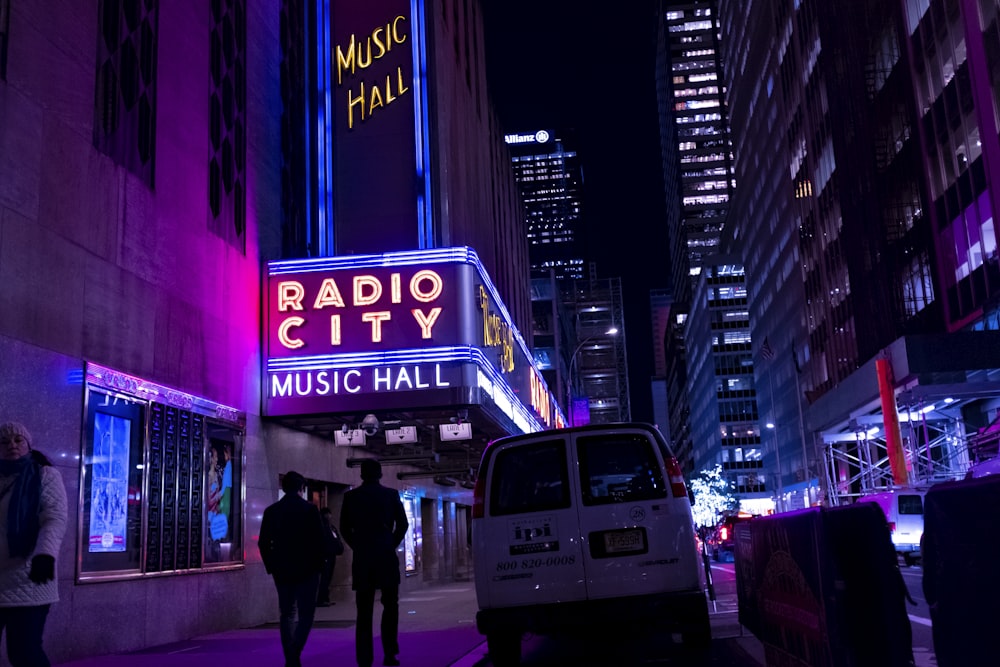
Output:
x,y
352,388
335,330
427,321
437,284
328,295
285,337
396,288
360,283
376,318
290,295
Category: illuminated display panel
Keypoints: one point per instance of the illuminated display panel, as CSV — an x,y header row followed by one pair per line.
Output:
x,y
145,492
415,329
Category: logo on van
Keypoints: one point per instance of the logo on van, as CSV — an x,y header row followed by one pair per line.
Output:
x,y
531,536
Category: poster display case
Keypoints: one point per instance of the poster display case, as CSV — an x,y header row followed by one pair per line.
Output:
x,y
161,480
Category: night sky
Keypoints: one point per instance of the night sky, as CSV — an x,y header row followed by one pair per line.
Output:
x,y
558,64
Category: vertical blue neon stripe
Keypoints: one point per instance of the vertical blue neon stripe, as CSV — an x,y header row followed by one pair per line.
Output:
x,y
307,124
324,143
425,226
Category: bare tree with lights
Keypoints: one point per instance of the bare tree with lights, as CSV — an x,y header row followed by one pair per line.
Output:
x,y
713,498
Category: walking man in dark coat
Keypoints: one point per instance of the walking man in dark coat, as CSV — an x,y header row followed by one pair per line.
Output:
x,y
291,546
373,523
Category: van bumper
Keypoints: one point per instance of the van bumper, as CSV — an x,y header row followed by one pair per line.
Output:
x,y
663,612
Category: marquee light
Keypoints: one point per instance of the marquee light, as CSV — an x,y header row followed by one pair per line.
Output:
x,y
364,303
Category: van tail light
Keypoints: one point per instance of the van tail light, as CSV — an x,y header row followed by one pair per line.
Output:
x,y
677,487
892,527
479,498
723,533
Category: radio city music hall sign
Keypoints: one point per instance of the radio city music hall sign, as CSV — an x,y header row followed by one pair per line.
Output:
x,y
407,327
337,313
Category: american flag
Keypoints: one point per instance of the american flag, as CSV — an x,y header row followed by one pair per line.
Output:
x,y
766,350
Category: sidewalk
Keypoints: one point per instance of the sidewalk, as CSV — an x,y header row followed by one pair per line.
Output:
x,y
437,629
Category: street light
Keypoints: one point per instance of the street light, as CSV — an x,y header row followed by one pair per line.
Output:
x,y
779,497
574,380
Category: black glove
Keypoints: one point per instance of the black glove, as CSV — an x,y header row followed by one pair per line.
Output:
x,y
43,568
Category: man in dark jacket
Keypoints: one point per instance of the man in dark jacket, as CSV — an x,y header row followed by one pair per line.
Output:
x,y
291,546
373,523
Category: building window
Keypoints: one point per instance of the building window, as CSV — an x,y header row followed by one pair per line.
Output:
x,y
125,93
160,480
4,36
971,238
227,122
918,286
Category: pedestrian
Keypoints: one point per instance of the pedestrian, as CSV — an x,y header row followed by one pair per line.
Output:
x,y
32,526
291,546
333,547
373,523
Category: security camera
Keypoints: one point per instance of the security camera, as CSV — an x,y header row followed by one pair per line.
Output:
x,y
370,424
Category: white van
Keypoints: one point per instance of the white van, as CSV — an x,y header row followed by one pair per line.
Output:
x,y
904,510
984,468
584,526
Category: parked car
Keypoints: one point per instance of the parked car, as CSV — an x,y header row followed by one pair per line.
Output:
x,y
722,542
904,511
586,527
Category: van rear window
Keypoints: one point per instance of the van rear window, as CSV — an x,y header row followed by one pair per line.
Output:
x,y
619,468
910,504
530,478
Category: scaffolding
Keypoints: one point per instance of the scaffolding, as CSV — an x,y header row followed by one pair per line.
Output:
x,y
934,450
947,401
600,365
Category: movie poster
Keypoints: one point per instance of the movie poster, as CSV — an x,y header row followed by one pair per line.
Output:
x,y
109,488
218,502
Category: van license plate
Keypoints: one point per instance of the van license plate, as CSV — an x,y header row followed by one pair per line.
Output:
x,y
623,541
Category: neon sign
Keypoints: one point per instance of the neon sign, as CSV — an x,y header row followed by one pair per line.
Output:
x,y
497,333
424,287
539,137
359,55
411,328
374,380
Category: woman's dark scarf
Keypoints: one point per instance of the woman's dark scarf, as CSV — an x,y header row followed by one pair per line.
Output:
x,y
25,497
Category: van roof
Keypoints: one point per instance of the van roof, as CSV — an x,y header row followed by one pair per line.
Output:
x,y
612,426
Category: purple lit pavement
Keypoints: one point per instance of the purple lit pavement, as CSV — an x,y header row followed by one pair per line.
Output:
x,y
437,629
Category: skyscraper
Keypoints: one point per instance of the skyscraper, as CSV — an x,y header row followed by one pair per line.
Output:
x,y
591,370
549,177
868,163
713,416
725,424
699,114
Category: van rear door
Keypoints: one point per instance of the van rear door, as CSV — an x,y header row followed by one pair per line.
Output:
x,y
909,519
529,541
637,537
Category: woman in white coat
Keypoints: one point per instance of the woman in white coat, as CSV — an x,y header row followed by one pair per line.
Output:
x,y
32,525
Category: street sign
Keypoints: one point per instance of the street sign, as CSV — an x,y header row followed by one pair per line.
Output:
x,y
352,437
460,431
401,435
